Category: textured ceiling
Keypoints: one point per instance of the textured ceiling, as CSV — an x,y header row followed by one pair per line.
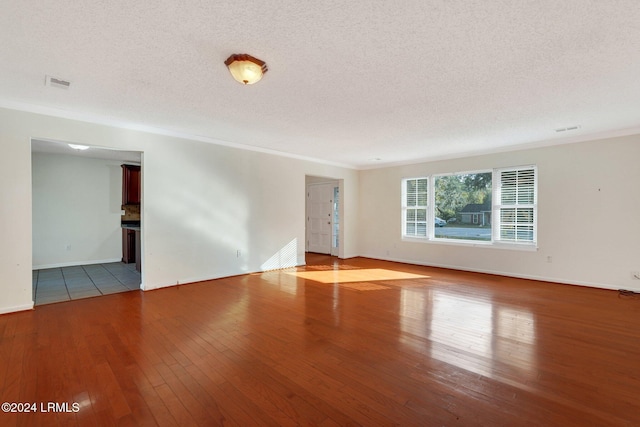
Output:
x,y
348,82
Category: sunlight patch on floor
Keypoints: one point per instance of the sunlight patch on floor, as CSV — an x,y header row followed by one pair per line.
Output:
x,y
352,276
363,286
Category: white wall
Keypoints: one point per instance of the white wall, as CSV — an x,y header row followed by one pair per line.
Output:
x,y
588,215
204,202
201,204
76,210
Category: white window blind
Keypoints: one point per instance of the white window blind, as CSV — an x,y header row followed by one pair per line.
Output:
x,y
414,205
516,205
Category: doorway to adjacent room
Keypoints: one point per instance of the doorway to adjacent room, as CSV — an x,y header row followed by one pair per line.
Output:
x,y
77,222
323,215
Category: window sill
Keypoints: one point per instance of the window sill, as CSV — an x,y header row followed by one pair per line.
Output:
x,y
530,247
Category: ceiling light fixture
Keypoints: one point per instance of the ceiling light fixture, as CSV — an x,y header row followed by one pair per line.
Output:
x,y
245,68
78,147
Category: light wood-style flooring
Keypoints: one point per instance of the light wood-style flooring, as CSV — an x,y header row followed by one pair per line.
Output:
x,y
335,343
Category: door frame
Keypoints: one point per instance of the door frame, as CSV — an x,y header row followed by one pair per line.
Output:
x,y
113,156
335,250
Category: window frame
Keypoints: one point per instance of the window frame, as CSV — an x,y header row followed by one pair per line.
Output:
x,y
433,203
496,208
406,207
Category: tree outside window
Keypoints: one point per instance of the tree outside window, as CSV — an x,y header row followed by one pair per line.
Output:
x,y
464,200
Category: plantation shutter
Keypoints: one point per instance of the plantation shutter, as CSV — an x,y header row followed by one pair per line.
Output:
x,y
517,205
415,207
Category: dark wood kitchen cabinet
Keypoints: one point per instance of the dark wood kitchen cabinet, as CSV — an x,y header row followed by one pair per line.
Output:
x,y
130,185
130,220
128,246
131,246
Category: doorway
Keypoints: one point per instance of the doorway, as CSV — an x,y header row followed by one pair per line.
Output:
x,y
323,215
76,222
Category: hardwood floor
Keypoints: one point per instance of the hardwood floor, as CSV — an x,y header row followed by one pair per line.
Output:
x,y
336,343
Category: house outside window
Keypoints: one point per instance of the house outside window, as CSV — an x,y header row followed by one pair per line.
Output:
x,y
464,201
476,213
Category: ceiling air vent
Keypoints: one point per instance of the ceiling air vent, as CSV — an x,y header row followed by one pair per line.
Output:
x,y
55,82
568,128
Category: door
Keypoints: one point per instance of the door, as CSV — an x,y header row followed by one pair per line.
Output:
x,y
319,217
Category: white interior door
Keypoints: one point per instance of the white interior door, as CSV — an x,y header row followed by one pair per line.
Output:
x,y
319,217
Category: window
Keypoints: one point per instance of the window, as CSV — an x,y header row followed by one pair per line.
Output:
x,y
463,201
483,207
415,207
516,205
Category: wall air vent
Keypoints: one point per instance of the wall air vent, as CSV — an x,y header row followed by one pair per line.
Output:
x,y
55,82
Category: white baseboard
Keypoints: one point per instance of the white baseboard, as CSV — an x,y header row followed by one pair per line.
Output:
x,y
499,273
188,280
74,263
13,309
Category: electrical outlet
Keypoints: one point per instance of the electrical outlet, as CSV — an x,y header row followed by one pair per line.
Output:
x,y
238,253
68,247
549,259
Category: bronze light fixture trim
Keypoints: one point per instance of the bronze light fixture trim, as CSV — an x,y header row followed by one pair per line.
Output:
x,y
245,68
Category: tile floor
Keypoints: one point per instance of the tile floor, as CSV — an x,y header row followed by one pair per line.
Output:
x,y
83,281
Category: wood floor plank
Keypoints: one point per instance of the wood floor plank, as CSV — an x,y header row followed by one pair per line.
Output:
x,y
380,343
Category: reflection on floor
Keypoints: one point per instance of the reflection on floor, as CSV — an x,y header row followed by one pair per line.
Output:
x,y
83,281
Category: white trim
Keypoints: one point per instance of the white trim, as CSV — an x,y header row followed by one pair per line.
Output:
x,y
75,263
496,227
499,273
191,280
415,239
404,207
496,223
120,124
334,183
431,207
83,117
552,141
16,308
477,243
495,241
